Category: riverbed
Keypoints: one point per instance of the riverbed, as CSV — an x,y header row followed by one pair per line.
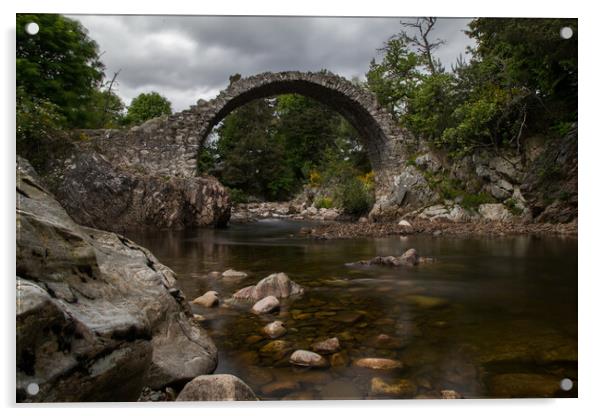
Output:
x,y
490,317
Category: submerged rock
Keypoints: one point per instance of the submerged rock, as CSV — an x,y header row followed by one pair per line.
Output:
x,y
234,274
399,388
305,358
274,329
277,285
327,346
98,317
408,258
426,302
208,300
524,385
266,305
216,387
339,359
450,394
340,390
280,387
348,317
378,363
385,341
278,348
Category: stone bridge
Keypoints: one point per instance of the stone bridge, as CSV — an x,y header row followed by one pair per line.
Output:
x,y
169,146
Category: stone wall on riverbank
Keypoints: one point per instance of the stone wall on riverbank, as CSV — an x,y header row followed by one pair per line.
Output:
x,y
98,317
99,192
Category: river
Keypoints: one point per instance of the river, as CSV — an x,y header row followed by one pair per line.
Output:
x,y
490,317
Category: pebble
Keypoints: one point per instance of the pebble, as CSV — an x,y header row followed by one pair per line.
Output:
x,y
234,274
399,388
208,300
274,329
378,363
306,358
328,346
266,305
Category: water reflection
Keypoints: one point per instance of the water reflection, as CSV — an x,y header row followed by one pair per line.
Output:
x,y
487,314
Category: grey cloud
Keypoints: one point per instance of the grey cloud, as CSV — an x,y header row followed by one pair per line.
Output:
x,y
190,57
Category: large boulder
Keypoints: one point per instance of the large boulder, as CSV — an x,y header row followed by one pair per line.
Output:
x,y
551,182
98,317
278,285
410,191
217,387
100,194
495,212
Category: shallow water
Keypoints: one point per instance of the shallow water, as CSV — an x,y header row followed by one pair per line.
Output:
x,y
491,317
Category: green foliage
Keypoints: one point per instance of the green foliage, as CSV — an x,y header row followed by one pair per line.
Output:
x,y
472,201
353,197
146,106
38,128
59,65
395,78
250,155
430,107
207,158
521,79
269,148
512,205
237,196
324,202
105,109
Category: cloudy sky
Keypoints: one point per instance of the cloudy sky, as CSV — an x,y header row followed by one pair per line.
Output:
x,y
186,58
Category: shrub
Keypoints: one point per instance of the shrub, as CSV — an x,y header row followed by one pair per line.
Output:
x,y
324,202
472,201
315,179
367,179
237,196
354,198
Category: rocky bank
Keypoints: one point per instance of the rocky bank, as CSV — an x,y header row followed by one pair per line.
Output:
x,y
98,317
98,189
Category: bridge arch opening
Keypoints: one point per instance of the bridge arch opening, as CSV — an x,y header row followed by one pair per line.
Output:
x,y
357,105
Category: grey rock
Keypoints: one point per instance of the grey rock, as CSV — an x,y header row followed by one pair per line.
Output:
x,y
428,161
208,300
327,346
98,317
216,387
278,285
410,257
274,329
100,194
494,212
233,274
305,358
507,166
266,305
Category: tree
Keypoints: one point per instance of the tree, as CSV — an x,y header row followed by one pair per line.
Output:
x,y
38,127
395,78
522,78
307,128
59,65
421,40
147,106
251,158
104,109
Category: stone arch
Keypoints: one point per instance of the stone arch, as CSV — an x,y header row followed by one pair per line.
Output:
x,y
180,136
375,126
